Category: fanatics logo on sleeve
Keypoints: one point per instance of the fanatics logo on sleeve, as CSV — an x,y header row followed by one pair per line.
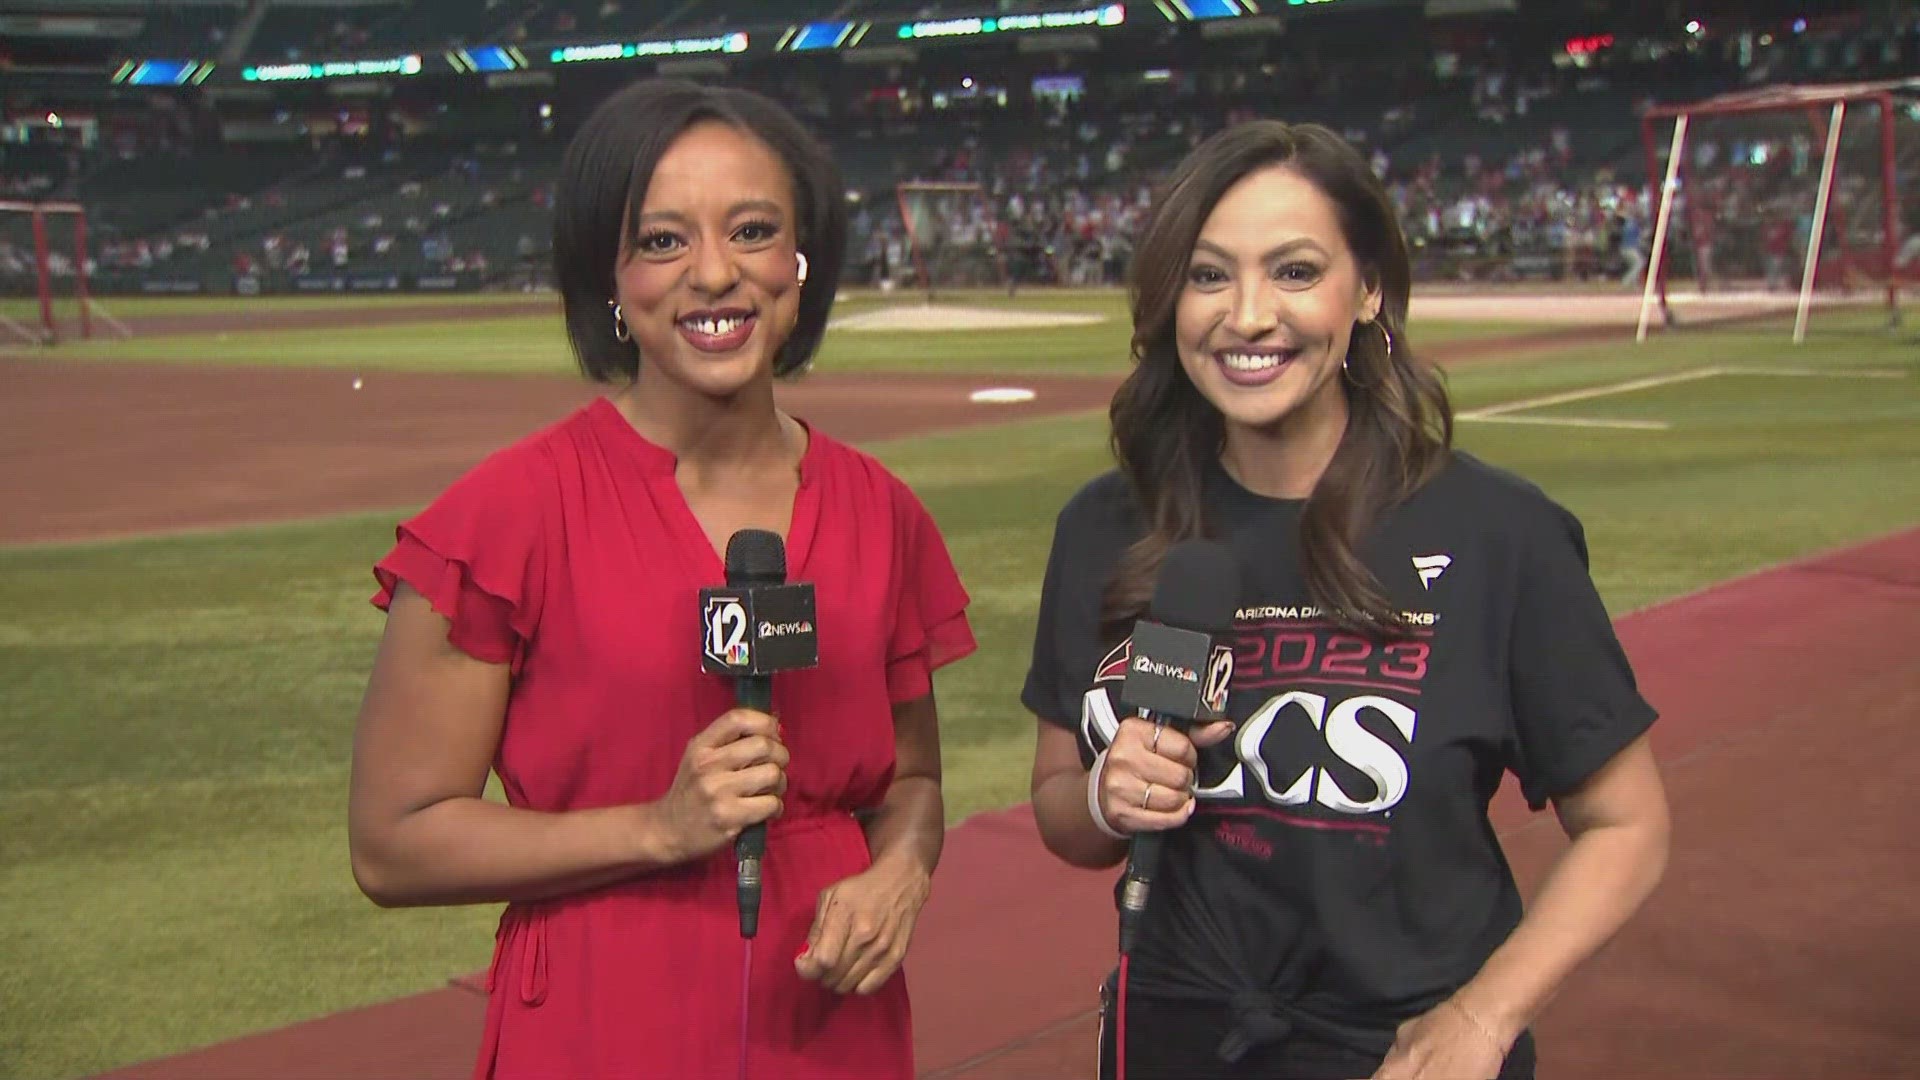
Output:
x,y
1430,567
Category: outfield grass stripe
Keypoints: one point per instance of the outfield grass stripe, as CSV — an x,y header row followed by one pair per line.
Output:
x,y
1572,421
1813,373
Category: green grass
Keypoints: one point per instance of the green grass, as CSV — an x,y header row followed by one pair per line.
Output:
x,y
513,345
175,713
66,306
536,344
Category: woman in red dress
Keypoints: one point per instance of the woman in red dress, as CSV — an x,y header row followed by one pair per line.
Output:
x,y
543,623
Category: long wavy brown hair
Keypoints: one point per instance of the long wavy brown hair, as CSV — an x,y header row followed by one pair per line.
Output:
x,y
1165,435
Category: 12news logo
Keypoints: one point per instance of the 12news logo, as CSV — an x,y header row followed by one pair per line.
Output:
x,y
727,631
1151,683
758,630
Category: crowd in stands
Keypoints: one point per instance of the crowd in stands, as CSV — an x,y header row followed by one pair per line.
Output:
x,y
1529,172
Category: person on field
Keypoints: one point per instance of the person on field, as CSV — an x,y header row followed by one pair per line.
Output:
x,y
1332,902
543,623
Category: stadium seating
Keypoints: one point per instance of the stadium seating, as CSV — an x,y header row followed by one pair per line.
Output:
x,y
1501,185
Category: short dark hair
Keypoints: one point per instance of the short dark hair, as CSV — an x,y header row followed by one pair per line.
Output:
x,y
604,178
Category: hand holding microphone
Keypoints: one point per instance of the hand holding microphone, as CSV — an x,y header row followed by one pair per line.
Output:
x,y
757,625
1147,775
1179,667
731,778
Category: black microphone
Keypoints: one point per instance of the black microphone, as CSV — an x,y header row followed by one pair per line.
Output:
x,y
1178,669
756,626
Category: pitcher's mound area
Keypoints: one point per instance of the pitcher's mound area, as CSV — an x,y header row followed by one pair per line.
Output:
x,y
955,317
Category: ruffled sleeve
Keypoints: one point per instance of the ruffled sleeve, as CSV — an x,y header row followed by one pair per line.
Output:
x,y
475,554
930,626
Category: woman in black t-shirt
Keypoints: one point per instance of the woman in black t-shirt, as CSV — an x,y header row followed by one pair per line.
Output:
x,y
1332,901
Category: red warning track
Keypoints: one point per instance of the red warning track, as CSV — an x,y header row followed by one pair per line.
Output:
x,y
92,450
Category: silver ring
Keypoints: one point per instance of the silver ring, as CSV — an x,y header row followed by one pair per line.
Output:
x,y
1158,727
1146,796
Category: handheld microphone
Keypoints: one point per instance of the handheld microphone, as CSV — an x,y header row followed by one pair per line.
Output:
x,y
757,625
1178,670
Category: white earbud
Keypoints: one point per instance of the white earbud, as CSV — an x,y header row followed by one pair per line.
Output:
x,y
802,256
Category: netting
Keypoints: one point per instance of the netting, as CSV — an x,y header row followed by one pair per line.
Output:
x,y
953,237
1749,195
43,274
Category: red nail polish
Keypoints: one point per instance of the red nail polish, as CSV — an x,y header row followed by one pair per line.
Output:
x,y
801,953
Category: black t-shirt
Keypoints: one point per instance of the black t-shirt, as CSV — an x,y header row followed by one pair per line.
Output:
x,y
1341,867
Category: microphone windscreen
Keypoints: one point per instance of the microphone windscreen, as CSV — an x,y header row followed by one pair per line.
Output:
x,y
1198,588
756,557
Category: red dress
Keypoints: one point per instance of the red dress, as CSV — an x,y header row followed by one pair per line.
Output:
x,y
573,557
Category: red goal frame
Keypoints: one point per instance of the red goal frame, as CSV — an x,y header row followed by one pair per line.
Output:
x,y
39,212
1832,100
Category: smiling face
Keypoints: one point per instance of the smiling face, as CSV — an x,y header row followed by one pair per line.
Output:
x,y
1271,298
709,289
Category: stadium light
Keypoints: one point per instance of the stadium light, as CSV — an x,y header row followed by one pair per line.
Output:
x,y
162,72
1199,10
486,58
822,35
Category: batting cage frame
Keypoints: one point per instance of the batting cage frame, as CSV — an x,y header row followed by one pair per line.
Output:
x,y
43,276
930,253
1826,109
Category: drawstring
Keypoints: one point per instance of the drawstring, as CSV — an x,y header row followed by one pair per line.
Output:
x,y
531,930
533,962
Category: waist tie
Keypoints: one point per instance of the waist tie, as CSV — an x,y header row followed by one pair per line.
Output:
x,y
1258,1019
523,931
1261,1018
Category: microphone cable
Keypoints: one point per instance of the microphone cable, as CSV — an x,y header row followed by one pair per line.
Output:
x,y
1180,671
746,996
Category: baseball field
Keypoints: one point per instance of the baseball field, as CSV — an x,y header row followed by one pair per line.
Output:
x,y
191,513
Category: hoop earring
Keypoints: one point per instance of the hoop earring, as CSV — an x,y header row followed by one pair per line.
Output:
x,y
1346,362
802,256
620,331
